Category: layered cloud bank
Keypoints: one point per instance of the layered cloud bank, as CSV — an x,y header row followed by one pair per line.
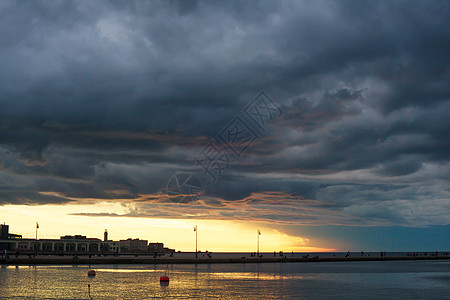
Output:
x,y
107,101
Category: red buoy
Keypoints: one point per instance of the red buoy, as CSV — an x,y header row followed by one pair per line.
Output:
x,y
91,273
164,278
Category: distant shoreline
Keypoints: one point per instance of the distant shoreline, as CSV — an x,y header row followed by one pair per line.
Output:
x,y
171,260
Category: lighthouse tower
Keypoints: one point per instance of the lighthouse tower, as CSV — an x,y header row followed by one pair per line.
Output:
x,y
105,235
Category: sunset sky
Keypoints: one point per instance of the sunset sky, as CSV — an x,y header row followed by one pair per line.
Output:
x,y
325,125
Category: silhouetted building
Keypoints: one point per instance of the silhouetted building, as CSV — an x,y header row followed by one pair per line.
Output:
x,y
73,237
6,237
4,231
158,248
132,246
75,244
110,246
105,235
155,247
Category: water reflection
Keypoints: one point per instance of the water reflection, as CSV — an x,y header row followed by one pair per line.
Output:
x,y
268,281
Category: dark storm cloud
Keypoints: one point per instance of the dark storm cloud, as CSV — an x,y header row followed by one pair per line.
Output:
x,y
108,99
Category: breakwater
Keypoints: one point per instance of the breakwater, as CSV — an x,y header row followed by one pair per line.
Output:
x,y
58,260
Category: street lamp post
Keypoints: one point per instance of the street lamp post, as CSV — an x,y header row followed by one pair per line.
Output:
x,y
195,229
257,248
36,243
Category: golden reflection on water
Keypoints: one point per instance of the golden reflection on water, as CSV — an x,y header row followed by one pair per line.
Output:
x,y
131,282
233,281
258,276
125,271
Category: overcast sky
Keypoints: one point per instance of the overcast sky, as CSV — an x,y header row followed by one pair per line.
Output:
x,y
110,99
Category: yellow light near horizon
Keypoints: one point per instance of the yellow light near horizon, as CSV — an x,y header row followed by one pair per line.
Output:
x,y
213,235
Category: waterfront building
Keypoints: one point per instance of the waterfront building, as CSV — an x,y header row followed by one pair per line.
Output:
x,y
7,238
159,248
111,246
133,245
64,244
155,247
5,235
76,244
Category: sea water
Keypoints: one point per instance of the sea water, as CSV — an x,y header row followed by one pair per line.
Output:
x,y
321,280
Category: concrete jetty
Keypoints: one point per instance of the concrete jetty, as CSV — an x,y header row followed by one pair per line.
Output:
x,y
182,259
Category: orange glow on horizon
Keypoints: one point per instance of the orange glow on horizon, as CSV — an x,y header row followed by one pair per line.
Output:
x,y
213,235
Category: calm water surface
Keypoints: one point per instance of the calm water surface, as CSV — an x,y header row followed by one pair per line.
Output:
x,y
336,280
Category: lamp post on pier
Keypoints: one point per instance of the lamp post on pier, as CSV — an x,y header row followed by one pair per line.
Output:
x,y
195,229
257,247
37,227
